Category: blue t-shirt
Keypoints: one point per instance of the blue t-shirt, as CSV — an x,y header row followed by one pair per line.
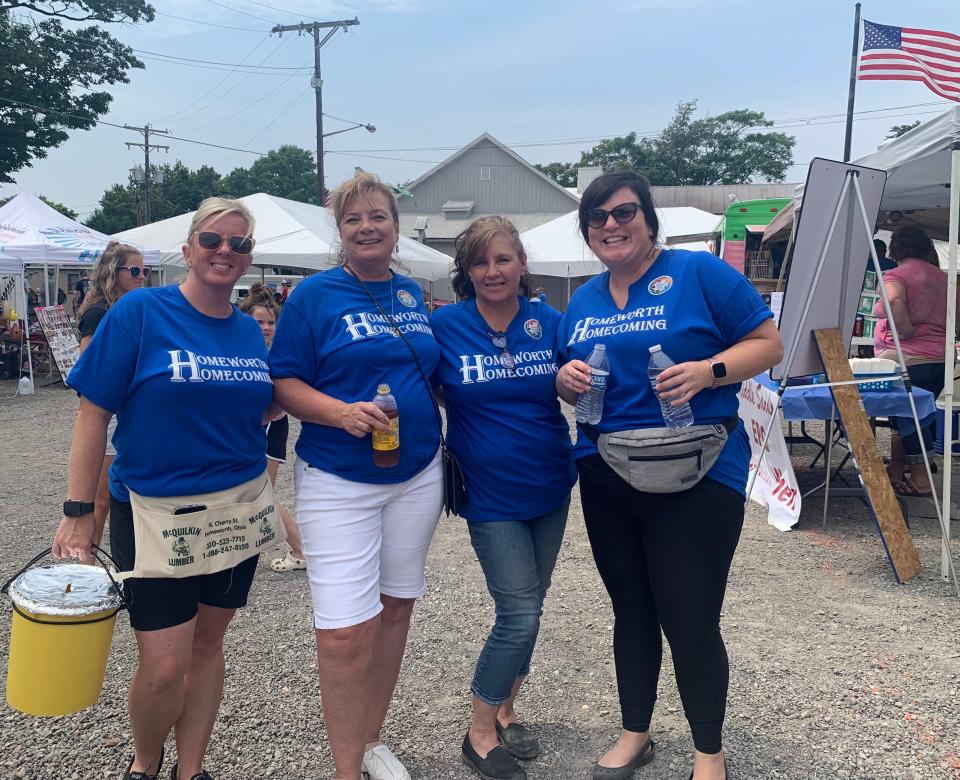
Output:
x,y
332,337
507,432
693,305
189,392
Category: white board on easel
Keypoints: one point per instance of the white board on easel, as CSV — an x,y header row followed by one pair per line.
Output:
x,y
833,303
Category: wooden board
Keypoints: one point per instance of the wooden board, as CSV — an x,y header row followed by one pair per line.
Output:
x,y
882,500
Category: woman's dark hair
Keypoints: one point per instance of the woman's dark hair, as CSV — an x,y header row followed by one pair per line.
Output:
x,y
604,186
912,241
472,243
259,296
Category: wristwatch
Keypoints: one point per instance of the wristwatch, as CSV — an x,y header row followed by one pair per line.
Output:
x,y
74,508
719,370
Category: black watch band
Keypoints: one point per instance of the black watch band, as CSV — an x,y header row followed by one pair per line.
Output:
x,y
74,508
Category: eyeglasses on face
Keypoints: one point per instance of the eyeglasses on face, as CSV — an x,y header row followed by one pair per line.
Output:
x,y
506,358
622,214
239,245
136,271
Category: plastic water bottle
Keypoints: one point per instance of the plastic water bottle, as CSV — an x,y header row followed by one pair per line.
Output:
x,y
590,404
386,444
673,416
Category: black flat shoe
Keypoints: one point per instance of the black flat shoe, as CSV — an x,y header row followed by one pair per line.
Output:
x,y
498,764
518,740
202,775
128,775
625,772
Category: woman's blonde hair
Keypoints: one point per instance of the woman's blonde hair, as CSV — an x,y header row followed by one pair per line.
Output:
x,y
219,207
103,280
472,244
362,185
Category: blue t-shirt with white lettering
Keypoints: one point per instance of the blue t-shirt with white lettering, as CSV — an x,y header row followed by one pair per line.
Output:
x,y
332,337
189,392
693,305
507,430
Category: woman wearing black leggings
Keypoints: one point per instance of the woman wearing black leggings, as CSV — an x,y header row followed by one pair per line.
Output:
x,y
663,556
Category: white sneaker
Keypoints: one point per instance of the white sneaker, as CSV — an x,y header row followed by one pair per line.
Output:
x,y
379,763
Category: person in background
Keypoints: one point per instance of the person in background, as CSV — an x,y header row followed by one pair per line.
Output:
x,y
664,557
505,426
260,305
11,336
365,529
886,263
917,290
80,290
175,438
539,295
119,270
285,290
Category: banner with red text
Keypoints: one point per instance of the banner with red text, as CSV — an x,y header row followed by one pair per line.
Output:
x,y
776,484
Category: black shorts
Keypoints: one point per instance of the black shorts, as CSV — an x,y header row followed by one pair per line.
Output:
x,y
164,602
277,433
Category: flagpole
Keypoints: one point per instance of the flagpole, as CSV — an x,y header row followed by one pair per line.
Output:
x,y
853,84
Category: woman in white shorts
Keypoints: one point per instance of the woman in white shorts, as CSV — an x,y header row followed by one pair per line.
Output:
x,y
366,528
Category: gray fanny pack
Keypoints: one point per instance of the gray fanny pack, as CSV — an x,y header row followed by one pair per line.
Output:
x,y
662,460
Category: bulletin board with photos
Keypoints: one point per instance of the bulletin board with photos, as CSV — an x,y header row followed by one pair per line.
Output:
x,y
60,336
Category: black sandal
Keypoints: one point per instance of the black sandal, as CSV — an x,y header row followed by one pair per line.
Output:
x,y
128,775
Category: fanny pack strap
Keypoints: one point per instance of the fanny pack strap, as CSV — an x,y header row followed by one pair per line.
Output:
x,y
593,434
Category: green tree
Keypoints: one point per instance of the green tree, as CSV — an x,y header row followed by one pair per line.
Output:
x,y
65,210
897,130
44,65
565,174
287,172
621,152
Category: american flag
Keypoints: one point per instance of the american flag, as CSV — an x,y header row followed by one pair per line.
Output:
x,y
911,54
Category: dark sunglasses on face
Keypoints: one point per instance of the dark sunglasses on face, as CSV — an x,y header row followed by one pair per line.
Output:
x,y
136,271
622,214
239,245
506,358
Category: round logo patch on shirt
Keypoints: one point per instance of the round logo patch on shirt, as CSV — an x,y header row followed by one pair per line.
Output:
x,y
533,329
406,299
660,285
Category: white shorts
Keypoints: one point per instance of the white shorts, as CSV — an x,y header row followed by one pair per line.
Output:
x,y
362,540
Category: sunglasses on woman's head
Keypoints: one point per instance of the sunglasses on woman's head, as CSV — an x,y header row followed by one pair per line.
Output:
x,y
506,358
622,214
136,271
239,245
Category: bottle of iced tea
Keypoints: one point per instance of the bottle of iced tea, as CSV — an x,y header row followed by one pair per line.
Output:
x,y
386,444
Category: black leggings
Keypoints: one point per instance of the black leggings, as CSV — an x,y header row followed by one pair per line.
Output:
x,y
664,559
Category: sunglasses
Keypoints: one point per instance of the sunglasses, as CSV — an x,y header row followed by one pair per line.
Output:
x,y
622,214
239,245
135,271
506,358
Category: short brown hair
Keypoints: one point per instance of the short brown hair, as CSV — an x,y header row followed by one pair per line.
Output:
x,y
259,297
472,243
912,241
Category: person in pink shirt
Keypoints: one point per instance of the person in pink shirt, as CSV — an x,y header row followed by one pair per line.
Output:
x,y
917,290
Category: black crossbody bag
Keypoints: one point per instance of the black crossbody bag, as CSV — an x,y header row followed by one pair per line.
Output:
x,y
454,485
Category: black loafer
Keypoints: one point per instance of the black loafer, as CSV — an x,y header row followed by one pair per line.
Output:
x,y
128,775
498,764
645,756
518,740
203,774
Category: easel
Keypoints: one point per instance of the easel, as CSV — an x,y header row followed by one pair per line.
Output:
x,y
895,537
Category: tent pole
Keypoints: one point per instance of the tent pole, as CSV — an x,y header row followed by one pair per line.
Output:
x,y
568,288
951,353
46,286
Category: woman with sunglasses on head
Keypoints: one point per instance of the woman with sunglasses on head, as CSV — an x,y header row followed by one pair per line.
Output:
x,y
497,369
260,304
186,375
365,528
663,556
119,270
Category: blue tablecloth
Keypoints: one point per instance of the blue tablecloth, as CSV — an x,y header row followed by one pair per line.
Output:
x,y
816,402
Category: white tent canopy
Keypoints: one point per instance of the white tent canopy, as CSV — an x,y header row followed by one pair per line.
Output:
x,y
557,249
33,233
288,233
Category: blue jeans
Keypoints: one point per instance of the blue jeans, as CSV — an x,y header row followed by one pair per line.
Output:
x,y
517,558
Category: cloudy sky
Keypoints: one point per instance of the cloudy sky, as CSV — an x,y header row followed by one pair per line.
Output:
x,y
549,79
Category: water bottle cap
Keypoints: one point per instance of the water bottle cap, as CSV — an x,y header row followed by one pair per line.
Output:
x,y
655,348
599,346
383,389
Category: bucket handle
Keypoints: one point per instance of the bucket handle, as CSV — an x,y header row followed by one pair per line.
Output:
x,y
97,551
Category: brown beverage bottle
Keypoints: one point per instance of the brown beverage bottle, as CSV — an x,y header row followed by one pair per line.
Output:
x,y
386,444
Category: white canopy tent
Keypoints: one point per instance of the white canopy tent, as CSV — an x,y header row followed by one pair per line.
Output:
x,y
288,233
556,248
923,186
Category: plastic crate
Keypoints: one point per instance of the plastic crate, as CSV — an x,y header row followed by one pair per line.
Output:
x,y
879,385
938,440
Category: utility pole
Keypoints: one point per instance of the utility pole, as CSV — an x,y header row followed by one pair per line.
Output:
x,y
316,82
146,146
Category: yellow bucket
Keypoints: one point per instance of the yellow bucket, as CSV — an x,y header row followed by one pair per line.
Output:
x,y
60,638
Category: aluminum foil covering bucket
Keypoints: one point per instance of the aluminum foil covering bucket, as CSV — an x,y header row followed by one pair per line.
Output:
x,y
63,618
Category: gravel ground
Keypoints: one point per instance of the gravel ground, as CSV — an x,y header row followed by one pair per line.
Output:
x,y
836,671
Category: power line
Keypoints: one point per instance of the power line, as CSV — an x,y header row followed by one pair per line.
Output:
x,y
244,13
268,126
209,24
